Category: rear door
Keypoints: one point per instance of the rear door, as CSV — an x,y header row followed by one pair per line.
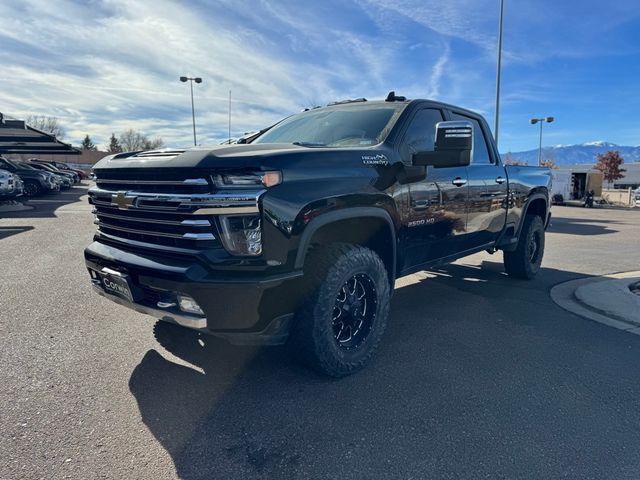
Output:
x,y
488,187
436,210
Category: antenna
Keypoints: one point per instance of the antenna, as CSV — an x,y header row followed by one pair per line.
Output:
x,y
229,117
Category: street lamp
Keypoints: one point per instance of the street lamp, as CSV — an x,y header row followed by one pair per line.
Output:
x,y
540,121
193,111
498,72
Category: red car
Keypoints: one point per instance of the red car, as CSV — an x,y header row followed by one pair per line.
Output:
x,y
62,166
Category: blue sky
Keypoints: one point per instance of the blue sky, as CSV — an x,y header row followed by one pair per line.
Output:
x,y
104,66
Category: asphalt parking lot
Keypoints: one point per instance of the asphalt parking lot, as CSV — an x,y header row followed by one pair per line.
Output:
x,y
479,376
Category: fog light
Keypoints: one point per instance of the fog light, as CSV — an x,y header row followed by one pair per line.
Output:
x,y
241,234
189,305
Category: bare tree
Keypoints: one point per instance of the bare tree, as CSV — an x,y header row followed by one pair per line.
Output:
x,y
508,159
47,124
132,140
549,164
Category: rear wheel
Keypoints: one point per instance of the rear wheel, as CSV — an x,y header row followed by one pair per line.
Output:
x,y
340,326
31,188
524,262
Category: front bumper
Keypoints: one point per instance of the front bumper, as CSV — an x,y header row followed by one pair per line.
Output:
x,y
244,308
9,193
51,187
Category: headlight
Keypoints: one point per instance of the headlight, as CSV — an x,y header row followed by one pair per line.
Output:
x,y
248,179
241,234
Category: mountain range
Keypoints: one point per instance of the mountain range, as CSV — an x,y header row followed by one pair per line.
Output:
x,y
584,153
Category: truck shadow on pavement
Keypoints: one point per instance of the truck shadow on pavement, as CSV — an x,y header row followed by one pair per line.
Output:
x,y
574,226
438,387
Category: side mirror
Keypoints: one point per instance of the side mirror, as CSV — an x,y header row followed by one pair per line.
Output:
x,y
454,142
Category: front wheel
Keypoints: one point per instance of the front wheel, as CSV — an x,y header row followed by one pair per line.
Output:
x,y
524,262
341,324
31,188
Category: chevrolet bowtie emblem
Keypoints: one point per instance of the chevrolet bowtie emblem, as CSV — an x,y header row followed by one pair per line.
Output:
x,y
121,200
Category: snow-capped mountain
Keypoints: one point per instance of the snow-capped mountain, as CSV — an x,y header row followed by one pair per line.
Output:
x,y
584,153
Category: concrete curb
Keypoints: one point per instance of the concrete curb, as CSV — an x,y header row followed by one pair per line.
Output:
x,y
591,298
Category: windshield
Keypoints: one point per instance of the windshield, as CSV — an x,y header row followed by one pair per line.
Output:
x,y
24,165
43,166
336,126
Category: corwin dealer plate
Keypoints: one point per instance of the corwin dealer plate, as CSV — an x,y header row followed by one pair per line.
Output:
x,y
117,285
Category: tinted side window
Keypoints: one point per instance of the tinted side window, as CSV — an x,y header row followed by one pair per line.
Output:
x,y
480,151
421,134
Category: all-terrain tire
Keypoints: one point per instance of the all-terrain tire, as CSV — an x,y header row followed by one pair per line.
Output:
x,y
332,274
524,262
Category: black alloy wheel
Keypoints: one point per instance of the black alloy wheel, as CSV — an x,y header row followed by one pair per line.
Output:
x,y
354,311
525,261
341,323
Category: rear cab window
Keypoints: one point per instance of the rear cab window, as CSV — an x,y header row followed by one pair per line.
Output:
x,y
481,155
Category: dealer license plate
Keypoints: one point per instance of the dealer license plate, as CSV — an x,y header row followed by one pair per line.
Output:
x,y
117,284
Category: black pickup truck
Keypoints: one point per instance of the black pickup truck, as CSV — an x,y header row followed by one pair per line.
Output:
x,y
297,234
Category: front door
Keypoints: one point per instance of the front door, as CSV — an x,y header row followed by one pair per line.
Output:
x,y
436,210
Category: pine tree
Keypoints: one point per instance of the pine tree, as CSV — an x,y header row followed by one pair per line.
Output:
x,y
114,144
87,144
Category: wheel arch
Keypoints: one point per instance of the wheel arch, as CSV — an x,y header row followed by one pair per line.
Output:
x,y
537,204
370,227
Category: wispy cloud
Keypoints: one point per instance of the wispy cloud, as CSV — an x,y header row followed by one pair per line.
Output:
x,y
104,66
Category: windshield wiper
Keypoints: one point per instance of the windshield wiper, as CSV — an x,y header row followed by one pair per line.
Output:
x,y
309,144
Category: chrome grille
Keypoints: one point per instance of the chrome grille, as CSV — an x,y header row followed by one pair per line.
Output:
x,y
169,210
150,184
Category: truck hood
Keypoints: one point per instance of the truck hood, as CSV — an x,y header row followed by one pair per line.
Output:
x,y
231,156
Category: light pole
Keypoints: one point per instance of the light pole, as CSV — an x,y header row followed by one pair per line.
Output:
x,y
193,111
498,72
540,121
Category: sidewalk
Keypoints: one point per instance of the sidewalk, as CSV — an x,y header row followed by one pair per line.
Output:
x,y
607,299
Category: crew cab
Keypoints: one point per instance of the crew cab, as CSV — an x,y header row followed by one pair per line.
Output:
x,y
297,234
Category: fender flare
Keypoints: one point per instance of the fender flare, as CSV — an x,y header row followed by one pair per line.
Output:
x,y
345,214
525,207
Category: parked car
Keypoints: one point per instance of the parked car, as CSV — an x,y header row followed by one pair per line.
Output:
x,y
60,171
82,175
35,181
66,180
11,186
299,235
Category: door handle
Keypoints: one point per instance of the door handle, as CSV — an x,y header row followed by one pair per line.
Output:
x,y
420,204
459,182
501,180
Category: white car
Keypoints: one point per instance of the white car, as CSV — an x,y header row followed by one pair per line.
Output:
x,y
10,185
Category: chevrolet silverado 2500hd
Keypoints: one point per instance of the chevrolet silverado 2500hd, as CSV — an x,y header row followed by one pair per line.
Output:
x,y
297,234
